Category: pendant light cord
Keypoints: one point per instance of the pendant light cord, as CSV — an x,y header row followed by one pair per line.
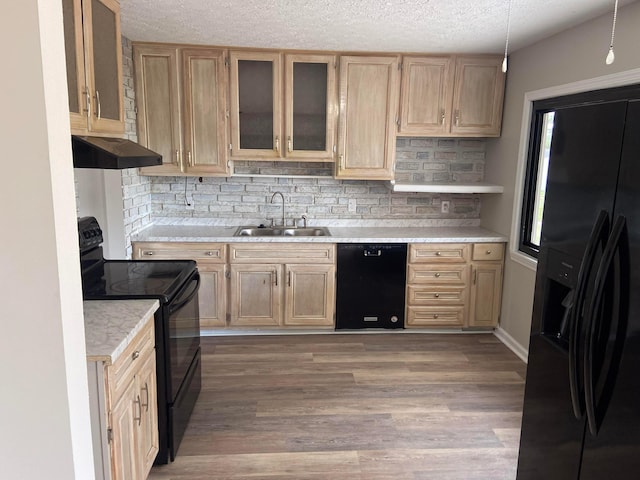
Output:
x,y
615,18
506,45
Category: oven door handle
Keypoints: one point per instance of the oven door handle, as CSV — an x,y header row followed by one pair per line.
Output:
x,y
178,306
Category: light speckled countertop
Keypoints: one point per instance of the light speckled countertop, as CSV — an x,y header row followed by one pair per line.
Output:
x,y
340,234
110,325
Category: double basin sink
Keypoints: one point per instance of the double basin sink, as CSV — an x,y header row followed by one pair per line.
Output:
x,y
282,232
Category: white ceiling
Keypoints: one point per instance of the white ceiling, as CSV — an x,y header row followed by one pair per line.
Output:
x,y
436,26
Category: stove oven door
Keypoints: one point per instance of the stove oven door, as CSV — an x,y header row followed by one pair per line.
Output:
x,y
183,363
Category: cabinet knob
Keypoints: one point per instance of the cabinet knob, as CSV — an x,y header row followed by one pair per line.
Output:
x,y
438,254
135,354
488,252
149,253
435,315
437,295
209,254
437,275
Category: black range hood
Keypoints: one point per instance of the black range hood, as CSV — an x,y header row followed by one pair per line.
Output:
x,y
111,153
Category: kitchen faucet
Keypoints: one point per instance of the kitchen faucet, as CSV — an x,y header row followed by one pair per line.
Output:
x,y
272,197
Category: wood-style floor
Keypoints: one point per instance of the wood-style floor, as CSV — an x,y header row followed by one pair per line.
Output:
x,y
354,406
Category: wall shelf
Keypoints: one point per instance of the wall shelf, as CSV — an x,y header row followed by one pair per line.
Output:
x,y
476,187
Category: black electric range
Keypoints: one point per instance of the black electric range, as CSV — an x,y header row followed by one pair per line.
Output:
x,y
175,285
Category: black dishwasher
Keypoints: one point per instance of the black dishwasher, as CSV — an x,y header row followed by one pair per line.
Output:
x,y
371,285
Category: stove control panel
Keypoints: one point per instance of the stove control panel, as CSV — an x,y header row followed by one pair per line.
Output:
x,y
89,233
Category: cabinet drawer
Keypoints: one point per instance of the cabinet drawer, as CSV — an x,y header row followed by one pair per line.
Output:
x,y
439,253
210,252
488,251
282,253
439,316
436,295
438,274
133,356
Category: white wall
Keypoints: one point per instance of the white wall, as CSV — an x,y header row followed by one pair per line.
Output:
x,y
45,410
572,56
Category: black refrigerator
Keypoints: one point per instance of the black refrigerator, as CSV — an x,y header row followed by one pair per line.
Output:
x,y
581,416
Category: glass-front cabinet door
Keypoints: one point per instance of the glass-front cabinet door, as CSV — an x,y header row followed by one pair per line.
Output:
x,y
256,99
104,44
310,107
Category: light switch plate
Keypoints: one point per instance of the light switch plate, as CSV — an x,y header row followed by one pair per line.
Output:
x,y
444,206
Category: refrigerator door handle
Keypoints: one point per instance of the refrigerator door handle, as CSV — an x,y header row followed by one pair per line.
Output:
x,y
598,236
596,407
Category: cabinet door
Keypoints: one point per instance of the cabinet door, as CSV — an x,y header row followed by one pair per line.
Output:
x,y
212,295
256,292
147,440
74,50
204,83
104,63
310,295
125,418
486,290
367,125
256,99
478,96
157,100
427,93
310,107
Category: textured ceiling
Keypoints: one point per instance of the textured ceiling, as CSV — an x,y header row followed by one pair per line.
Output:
x,y
454,26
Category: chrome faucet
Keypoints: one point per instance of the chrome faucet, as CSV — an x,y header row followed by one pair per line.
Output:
x,y
272,197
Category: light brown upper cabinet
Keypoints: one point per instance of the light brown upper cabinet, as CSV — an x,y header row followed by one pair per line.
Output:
x,y
368,100
452,96
296,122
181,96
94,66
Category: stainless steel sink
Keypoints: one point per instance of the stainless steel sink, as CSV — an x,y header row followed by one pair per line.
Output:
x,y
282,232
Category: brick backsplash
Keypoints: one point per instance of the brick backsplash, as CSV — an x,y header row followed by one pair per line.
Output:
x,y
136,189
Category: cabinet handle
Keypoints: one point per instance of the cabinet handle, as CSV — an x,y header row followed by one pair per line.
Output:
x,y
289,278
277,144
341,162
437,275
146,404
135,355
442,117
275,274
189,159
475,275
98,109
177,158
289,144
139,417
457,118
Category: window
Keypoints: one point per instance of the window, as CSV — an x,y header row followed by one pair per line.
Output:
x,y
539,157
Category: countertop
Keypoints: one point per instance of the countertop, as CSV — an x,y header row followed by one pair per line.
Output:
x,y
341,234
110,325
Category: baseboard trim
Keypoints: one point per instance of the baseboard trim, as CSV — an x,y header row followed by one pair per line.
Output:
x,y
512,344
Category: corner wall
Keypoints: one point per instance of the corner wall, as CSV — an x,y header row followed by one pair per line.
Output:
x,y
572,56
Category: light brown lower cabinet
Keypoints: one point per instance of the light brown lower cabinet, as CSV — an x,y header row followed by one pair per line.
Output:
x,y
282,284
486,285
125,410
454,285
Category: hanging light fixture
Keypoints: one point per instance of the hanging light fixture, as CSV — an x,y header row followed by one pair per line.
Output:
x,y
611,56
506,45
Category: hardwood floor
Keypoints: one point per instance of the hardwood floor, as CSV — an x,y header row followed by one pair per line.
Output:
x,y
354,406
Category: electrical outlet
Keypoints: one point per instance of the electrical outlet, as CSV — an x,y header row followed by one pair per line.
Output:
x,y
444,206
352,205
